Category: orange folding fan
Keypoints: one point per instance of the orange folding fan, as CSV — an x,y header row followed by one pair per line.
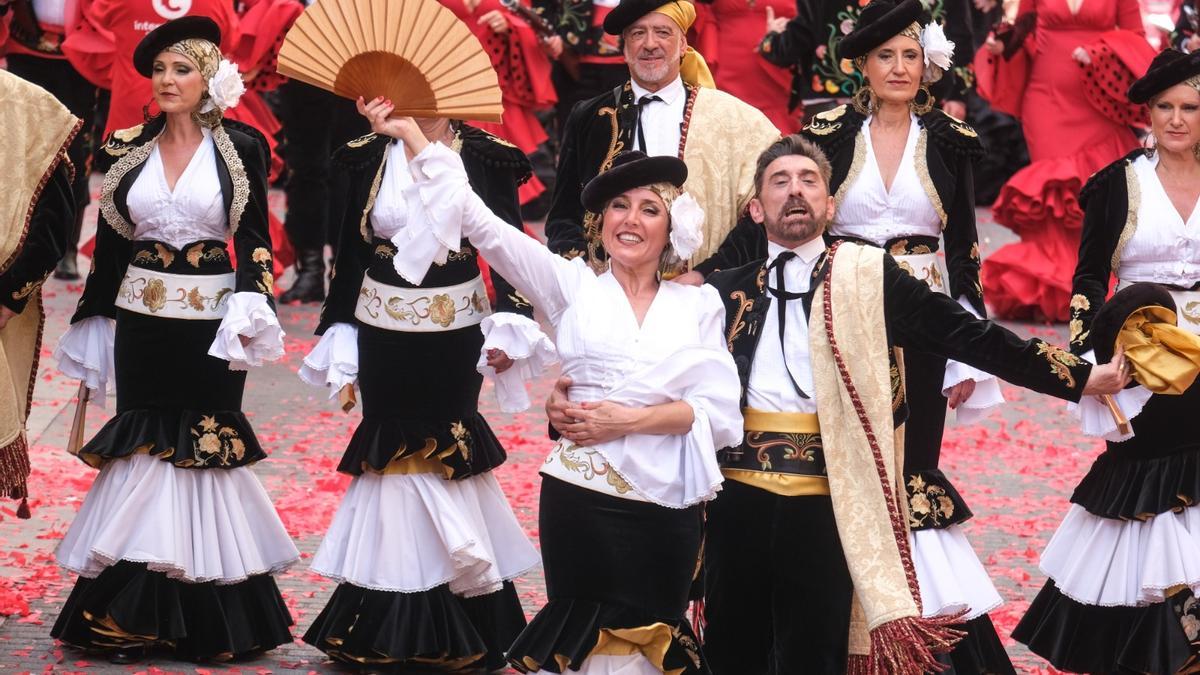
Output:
x,y
414,52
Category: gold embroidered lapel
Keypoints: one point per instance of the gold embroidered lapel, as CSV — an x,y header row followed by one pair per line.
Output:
x,y
1133,205
237,175
922,166
108,207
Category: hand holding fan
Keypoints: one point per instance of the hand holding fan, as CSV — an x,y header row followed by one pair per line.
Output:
x,y
415,53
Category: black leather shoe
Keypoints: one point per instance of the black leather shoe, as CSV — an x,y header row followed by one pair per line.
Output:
x,y
66,270
310,279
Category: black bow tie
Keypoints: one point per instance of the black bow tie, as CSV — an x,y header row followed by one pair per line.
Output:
x,y
783,295
641,104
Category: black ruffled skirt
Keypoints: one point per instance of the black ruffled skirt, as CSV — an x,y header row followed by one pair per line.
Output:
x,y
616,571
128,605
1155,474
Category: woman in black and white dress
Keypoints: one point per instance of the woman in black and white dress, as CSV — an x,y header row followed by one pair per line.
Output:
x,y
1124,565
620,511
176,541
424,546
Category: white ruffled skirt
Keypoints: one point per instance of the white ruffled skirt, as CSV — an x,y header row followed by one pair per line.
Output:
x,y
949,574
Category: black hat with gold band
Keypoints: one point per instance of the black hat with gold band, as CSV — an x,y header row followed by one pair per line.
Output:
x,y
170,33
1169,68
879,22
632,170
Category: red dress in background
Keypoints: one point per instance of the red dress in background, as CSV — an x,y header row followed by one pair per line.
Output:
x,y
1073,128
523,70
728,33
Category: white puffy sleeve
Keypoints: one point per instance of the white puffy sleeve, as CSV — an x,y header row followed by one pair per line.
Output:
x,y
248,315
716,397
334,359
1096,419
85,352
987,394
449,210
531,350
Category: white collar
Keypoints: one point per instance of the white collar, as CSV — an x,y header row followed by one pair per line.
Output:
x,y
807,253
669,94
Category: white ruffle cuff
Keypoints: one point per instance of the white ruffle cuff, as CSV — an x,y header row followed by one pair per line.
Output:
x,y
987,394
248,315
85,352
1096,419
334,360
434,227
530,349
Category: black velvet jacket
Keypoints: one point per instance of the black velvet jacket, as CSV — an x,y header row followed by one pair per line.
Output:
x,y
949,153
809,46
241,158
495,168
596,131
916,317
1106,218
45,241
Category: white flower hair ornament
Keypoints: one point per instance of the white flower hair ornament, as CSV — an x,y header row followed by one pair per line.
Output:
x,y
225,88
939,51
687,222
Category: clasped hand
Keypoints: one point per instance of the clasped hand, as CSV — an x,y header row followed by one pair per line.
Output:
x,y
590,422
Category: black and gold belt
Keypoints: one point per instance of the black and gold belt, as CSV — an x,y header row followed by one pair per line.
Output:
x,y
780,453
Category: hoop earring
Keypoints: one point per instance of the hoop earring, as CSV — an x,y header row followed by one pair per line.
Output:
x,y
863,100
1149,150
146,112
920,107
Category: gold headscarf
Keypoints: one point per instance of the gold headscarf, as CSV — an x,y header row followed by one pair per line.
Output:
x,y
207,58
694,69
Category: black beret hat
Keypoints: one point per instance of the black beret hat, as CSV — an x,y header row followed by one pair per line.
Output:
x,y
628,12
169,33
632,170
879,22
1113,313
1169,68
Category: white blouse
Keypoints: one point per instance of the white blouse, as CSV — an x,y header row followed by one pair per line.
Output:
x,y
868,210
677,353
1164,249
389,215
194,210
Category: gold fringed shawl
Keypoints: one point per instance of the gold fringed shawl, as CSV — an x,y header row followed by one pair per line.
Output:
x,y
851,375
35,130
724,138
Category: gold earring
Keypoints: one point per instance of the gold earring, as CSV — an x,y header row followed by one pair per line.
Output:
x,y
922,107
863,100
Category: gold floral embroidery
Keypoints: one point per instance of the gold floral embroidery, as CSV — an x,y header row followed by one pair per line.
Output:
x,y
975,251
964,129
856,165
128,135
27,290
926,180
197,254
462,439
161,255
261,256
571,254
1060,360
1079,303
689,645
267,284
385,252
154,297
213,441
800,447
928,505
1191,312
1078,335
738,325
361,141
237,175
108,208
1134,191
441,310
518,300
1189,617
364,225
897,386
590,464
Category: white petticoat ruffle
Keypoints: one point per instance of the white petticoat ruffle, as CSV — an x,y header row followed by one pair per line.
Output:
x,y
1128,563
613,664
413,533
195,525
334,359
85,352
248,315
531,350
949,574
1097,421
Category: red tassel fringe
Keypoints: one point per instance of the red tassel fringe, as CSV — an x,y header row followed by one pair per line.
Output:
x,y
908,646
858,664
